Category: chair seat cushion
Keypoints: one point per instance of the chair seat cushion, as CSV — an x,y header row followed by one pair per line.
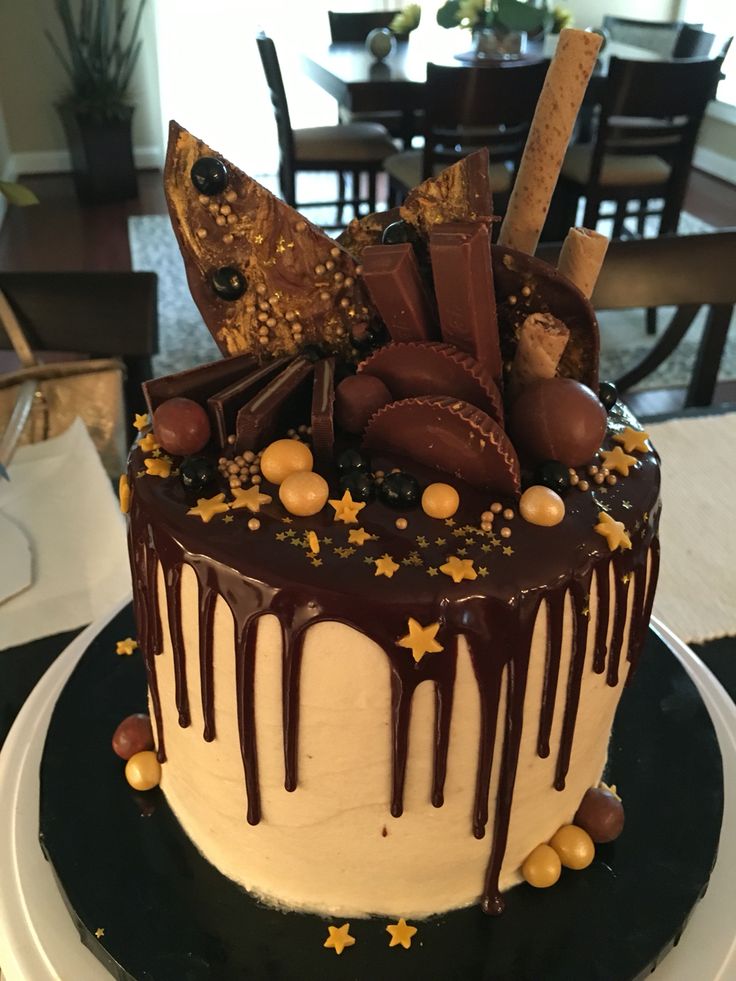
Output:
x,y
406,169
617,171
352,143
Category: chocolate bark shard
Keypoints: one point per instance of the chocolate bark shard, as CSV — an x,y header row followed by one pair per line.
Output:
x,y
323,398
365,231
463,284
434,368
527,285
197,383
448,435
391,273
282,403
224,405
289,266
462,192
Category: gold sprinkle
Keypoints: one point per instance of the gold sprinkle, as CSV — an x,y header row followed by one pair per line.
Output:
x,y
126,646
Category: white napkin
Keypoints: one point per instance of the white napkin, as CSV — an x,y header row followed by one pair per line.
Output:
x,y
61,498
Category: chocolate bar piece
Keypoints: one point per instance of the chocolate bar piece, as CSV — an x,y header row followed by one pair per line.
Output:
x,y
391,273
463,284
223,406
197,383
265,415
323,398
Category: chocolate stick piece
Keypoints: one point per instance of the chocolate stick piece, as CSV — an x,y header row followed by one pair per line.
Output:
x,y
258,420
197,383
224,405
323,398
581,258
463,285
542,340
391,273
548,138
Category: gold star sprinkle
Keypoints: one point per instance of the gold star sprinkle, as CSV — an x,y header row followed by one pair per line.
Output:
x,y
359,536
422,541
385,566
228,519
462,551
450,522
126,646
616,459
346,509
157,468
369,560
507,550
482,571
124,493
459,569
431,571
485,548
344,553
281,536
142,419
148,443
625,579
339,938
208,507
421,640
287,520
613,531
633,440
440,541
100,932
401,933
626,504
258,239
251,499
315,561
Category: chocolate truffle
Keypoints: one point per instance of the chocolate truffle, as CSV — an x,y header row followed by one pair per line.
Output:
x,y
357,398
182,427
601,814
133,735
558,419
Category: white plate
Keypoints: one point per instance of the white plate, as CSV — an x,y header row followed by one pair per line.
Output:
x,y
38,941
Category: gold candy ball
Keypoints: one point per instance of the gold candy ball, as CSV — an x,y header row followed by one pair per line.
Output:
x,y
440,501
143,770
574,846
542,867
304,493
541,506
283,457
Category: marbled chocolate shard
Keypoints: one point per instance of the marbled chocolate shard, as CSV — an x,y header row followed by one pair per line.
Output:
x,y
223,406
463,284
391,274
365,231
448,435
434,368
527,285
295,276
323,399
284,402
197,383
462,192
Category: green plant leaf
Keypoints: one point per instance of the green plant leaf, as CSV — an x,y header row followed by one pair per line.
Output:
x,y
516,16
447,15
17,194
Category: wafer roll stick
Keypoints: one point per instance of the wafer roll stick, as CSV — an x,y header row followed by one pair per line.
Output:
x,y
581,258
542,340
548,138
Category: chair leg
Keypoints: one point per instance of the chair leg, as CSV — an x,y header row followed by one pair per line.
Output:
x,y
651,315
356,193
592,208
340,195
641,223
371,191
618,220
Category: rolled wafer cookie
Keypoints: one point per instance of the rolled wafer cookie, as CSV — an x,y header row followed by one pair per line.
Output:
x,y
542,340
581,258
548,138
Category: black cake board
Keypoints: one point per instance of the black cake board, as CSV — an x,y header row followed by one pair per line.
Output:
x,y
123,863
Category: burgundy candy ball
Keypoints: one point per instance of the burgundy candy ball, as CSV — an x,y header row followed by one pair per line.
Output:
x,y
181,426
132,736
558,419
601,814
357,398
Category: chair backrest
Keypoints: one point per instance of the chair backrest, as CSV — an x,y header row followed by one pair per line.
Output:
x,y
692,42
96,313
275,82
355,27
652,35
480,106
688,272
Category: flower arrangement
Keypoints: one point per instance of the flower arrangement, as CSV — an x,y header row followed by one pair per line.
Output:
x,y
500,16
406,20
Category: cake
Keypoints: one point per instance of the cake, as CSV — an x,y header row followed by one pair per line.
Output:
x,y
393,555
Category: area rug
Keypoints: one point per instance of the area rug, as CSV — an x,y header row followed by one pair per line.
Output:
x,y
184,341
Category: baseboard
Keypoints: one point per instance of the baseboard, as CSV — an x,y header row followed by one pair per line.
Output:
x,y
716,164
58,161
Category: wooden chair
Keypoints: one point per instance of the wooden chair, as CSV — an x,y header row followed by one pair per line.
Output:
x,y
353,28
100,314
688,272
652,35
692,42
649,120
356,148
467,108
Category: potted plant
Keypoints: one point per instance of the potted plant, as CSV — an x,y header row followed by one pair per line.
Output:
x,y
500,27
97,113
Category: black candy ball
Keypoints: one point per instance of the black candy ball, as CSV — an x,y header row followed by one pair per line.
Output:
x,y
399,232
352,461
554,475
196,472
359,484
209,175
608,394
228,283
400,490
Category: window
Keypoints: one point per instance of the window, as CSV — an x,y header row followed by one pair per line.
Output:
x,y
719,18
